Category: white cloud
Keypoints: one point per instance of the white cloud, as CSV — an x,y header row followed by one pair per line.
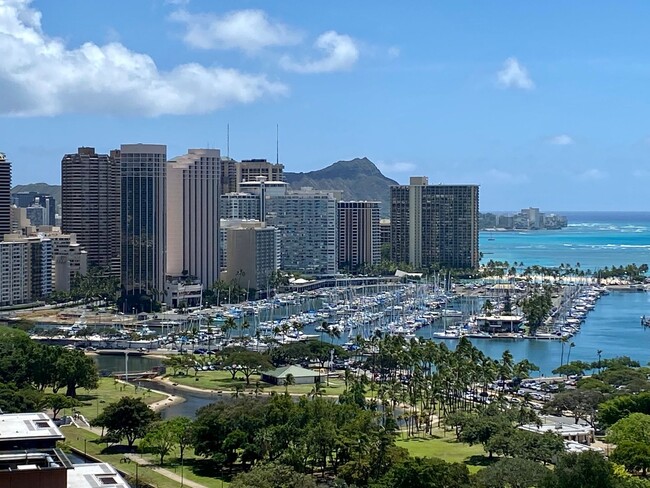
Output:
x,y
177,2
514,75
40,75
341,53
248,30
592,174
561,140
394,52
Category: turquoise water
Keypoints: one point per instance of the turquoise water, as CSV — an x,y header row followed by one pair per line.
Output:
x,y
593,239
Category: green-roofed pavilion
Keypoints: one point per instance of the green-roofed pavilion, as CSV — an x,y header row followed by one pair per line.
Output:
x,y
301,376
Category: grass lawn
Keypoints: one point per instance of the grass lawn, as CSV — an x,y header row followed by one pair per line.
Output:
x,y
222,381
75,437
447,448
94,401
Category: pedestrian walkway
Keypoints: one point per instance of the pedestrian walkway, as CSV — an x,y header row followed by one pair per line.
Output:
x,y
140,461
165,472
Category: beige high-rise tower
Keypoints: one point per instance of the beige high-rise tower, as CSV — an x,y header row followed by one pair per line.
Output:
x,y
192,213
90,205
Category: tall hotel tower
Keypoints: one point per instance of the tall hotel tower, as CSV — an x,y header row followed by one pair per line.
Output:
x,y
90,205
193,215
5,196
434,224
143,222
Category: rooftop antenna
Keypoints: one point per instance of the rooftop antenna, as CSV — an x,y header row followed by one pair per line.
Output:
x,y
228,141
277,143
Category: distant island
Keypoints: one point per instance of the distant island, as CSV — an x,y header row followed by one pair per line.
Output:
x,y
527,219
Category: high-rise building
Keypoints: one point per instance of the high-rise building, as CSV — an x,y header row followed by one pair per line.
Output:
x,y
228,175
25,269
241,206
252,256
5,196
90,206
192,213
25,199
306,220
434,224
250,169
384,231
68,259
143,221
358,234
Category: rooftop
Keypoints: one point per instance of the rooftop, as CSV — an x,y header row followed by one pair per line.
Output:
x,y
296,371
18,426
93,475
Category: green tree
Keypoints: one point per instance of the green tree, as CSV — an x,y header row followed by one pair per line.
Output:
x,y
635,456
73,370
246,362
183,430
587,469
615,409
581,403
512,473
426,473
289,380
573,368
160,439
272,476
58,402
128,417
633,428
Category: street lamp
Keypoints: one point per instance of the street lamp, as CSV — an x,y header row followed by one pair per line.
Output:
x,y
126,366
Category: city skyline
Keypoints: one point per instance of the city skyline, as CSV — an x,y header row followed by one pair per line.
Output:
x,y
462,93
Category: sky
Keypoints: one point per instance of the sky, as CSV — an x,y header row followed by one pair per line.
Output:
x,y
540,103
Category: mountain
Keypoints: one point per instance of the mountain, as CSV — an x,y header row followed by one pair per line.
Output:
x,y
45,188
359,179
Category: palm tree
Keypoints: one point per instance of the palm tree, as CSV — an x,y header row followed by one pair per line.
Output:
x,y
317,390
563,341
571,346
599,352
289,380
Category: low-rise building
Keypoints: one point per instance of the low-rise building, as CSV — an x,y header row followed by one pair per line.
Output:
x,y
29,457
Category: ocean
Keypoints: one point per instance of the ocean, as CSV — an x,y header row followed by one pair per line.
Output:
x,y
594,240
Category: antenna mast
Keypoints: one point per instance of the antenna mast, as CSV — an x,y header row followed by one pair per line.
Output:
x,y
277,143
228,141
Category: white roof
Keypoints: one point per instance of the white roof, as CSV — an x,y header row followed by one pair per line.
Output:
x,y
28,426
93,475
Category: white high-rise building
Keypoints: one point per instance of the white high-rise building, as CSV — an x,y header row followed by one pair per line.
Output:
x,y
192,213
306,221
241,206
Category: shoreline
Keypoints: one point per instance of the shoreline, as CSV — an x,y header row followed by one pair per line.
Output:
x,y
160,404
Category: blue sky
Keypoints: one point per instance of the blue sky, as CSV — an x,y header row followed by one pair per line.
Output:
x,y
542,104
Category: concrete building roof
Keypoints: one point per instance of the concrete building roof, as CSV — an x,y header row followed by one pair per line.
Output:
x,y
24,426
295,371
94,475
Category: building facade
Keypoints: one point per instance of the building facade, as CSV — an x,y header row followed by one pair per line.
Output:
x,y
359,240
306,221
25,199
253,255
435,225
241,206
192,213
143,222
5,195
90,206
250,169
